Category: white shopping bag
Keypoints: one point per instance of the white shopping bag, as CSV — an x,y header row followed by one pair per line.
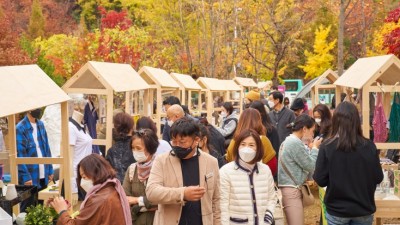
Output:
x,y
5,219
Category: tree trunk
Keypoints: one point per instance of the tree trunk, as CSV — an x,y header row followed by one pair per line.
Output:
x,y
340,64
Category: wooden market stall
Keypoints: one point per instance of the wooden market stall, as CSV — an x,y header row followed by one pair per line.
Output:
x,y
188,87
324,82
161,83
379,74
246,84
102,78
25,88
226,88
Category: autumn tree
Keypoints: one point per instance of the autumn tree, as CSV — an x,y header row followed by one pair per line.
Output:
x,y
36,21
320,59
270,35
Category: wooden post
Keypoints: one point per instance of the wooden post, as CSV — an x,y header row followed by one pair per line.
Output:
x,y
109,120
66,153
13,154
189,100
338,92
158,111
209,106
365,112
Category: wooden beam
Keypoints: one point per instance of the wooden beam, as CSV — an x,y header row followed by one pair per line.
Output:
x,y
87,91
35,160
365,112
394,145
99,141
13,154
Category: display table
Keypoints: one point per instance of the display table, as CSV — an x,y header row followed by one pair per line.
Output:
x,y
24,192
386,208
52,191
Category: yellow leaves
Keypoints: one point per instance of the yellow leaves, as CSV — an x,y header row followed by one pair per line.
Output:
x,y
320,59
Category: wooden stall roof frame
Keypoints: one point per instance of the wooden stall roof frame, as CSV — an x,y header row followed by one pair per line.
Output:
x,y
187,83
104,78
245,82
363,74
331,76
160,80
24,88
264,85
211,85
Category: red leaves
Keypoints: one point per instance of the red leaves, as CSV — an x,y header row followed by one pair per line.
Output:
x,y
393,16
112,19
391,41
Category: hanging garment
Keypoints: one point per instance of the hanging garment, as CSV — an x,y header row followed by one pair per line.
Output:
x,y
394,119
90,118
379,122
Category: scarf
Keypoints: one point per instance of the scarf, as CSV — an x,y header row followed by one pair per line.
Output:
x,y
144,169
122,196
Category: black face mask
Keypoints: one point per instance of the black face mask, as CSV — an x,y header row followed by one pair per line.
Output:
x,y
36,113
181,152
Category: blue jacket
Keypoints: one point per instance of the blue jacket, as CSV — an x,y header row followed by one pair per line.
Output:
x,y
26,147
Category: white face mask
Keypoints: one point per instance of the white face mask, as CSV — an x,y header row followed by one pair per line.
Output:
x,y
170,122
318,121
86,184
247,154
223,114
271,104
139,156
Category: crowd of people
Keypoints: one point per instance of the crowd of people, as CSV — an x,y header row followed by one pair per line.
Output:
x,y
199,173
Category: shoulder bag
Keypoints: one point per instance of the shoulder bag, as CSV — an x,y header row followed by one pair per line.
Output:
x,y
308,197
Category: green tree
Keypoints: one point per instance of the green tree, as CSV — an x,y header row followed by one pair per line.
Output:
x,y
320,59
36,21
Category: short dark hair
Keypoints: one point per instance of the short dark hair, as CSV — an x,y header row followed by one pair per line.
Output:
x,y
96,168
123,125
228,106
185,109
149,138
172,100
204,132
185,127
243,135
146,122
301,121
277,95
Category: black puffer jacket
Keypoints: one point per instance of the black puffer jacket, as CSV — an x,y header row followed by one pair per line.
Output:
x,y
120,156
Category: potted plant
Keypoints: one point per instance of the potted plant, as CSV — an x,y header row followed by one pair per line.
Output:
x,y
40,215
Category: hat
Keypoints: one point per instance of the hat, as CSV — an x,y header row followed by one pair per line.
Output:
x,y
297,104
253,95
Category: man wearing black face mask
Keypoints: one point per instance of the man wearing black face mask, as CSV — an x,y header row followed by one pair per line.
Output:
x,y
185,182
32,142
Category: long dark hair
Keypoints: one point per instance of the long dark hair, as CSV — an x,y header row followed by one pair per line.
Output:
x,y
326,119
264,117
204,132
346,126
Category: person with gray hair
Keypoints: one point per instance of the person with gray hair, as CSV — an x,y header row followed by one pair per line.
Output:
x,y
174,113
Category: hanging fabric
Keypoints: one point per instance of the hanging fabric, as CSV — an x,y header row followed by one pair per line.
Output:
x,y
379,122
394,119
90,118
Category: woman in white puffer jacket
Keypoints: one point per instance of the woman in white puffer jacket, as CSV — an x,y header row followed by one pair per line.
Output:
x,y
247,186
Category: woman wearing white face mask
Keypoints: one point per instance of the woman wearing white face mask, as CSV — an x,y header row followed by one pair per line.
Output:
x,y
247,186
323,119
229,122
105,202
144,146
295,162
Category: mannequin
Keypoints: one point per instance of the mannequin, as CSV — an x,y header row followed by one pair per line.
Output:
x,y
80,144
77,116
